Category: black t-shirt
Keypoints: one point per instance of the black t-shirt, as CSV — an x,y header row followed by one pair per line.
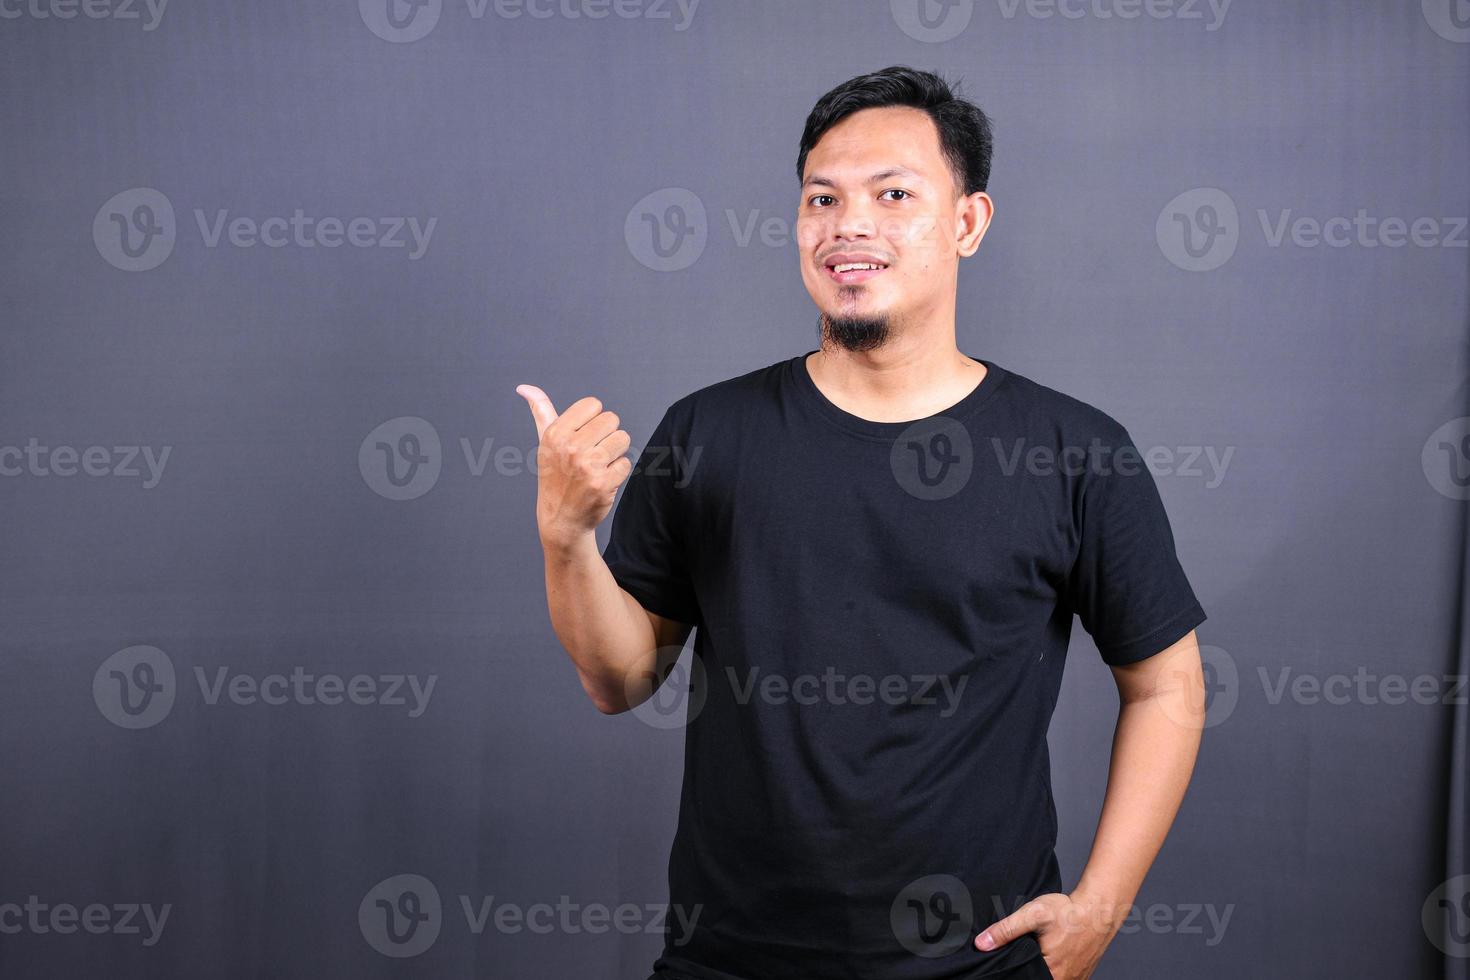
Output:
x,y
882,612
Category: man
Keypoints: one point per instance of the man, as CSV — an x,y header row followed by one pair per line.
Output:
x,y
882,544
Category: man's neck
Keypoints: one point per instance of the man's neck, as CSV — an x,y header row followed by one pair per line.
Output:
x,y
906,378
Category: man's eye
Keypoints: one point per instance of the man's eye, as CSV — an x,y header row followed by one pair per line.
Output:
x,y
818,199
898,191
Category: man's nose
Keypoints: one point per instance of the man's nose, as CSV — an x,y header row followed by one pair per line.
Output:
x,y
855,220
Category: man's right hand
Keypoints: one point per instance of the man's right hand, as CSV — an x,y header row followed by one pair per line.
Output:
x,y
581,463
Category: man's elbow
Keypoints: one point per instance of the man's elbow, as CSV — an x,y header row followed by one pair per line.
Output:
x,y
609,706
607,699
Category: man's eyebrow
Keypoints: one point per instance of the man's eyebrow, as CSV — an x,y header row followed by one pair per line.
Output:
x,y
879,176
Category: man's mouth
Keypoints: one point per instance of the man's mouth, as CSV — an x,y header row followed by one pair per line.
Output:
x,y
847,272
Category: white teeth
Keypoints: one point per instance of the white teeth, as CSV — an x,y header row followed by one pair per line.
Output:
x,y
851,266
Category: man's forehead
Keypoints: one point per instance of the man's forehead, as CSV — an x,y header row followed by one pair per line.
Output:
x,y
832,176
877,144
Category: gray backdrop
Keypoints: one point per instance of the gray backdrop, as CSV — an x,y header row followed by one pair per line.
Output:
x,y
272,271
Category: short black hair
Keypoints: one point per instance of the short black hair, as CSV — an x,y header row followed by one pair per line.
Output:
x,y
964,131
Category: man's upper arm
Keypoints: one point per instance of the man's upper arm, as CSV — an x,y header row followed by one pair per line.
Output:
x,y
648,549
1176,667
1126,583
668,632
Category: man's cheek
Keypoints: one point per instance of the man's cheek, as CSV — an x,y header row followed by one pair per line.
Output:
x,y
809,235
923,234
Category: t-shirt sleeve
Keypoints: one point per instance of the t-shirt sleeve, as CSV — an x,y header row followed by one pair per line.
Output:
x,y
647,549
1126,583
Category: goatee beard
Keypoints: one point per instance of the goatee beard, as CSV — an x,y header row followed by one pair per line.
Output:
x,y
857,334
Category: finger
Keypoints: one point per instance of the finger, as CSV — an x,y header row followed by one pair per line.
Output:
x,y
577,414
614,445
598,428
541,408
1025,919
619,470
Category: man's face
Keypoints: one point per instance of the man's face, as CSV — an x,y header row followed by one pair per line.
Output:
x,y
878,191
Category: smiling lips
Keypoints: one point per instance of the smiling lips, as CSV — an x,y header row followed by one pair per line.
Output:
x,y
847,268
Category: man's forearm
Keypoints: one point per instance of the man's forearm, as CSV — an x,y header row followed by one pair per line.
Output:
x,y
1155,745
608,635
582,461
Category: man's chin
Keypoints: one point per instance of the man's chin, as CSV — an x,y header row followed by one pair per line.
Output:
x,y
856,331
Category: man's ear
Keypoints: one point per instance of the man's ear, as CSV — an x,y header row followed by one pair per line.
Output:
x,y
972,217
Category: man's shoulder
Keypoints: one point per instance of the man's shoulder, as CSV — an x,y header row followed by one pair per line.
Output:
x,y
732,395
1052,410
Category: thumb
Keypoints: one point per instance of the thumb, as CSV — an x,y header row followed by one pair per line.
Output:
x,y
1025,919
541,408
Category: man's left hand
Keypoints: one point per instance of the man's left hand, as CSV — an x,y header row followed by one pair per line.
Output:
x,y
1072,930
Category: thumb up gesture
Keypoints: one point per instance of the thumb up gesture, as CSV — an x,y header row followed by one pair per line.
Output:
x,y
581,464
